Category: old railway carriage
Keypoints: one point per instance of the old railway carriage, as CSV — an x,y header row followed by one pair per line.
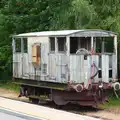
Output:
x,y
67,66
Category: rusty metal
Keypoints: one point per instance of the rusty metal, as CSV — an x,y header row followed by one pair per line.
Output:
x,y
84,98
92,97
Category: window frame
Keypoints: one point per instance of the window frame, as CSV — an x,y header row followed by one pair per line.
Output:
x,y
24,45
21,45
64,45
52,51
16,49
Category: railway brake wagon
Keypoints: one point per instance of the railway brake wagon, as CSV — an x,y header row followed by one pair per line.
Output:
x,y
67,66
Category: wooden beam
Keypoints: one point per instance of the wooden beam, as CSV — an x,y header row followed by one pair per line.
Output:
x,y
68,45
56,45
92,44
115,45
114,65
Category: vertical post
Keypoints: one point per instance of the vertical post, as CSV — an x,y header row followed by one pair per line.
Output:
x,y
22,51
115,45
56,45
68,57
13,56
115,62
56,52
68,45
92,45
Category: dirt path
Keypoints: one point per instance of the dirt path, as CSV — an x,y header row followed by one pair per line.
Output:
x,y
11,94
111,114
104,114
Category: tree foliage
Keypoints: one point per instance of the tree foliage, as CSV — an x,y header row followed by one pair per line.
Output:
x,y
18,16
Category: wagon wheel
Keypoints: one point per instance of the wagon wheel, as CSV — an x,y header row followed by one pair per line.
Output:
x,y
59,101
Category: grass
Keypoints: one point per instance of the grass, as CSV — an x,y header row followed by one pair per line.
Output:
x,y
113,102
10,86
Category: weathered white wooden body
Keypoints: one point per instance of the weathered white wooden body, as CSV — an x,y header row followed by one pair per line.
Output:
x,y
62,67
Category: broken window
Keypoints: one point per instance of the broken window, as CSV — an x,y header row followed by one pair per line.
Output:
x,y
25,45
18,45
61,44
52,44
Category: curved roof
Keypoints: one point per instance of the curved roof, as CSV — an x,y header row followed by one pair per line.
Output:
x,y
77,33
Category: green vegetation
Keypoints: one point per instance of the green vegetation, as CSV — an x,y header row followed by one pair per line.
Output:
x,y
113,100
10,86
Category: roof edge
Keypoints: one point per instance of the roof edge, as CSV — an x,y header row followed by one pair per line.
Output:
x,y
35,34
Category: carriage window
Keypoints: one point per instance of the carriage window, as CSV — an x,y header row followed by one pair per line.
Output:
x,y
18,45
25,45
85,43
78,43
98,45
61,44
109,45
104,44
73,44
52,44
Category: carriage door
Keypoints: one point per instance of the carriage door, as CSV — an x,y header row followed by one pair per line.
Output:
x,y
24,57
17,58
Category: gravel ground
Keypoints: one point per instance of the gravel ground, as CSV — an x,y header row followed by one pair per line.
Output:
x,y
107,114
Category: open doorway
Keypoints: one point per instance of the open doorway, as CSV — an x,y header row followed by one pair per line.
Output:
x,y
73,45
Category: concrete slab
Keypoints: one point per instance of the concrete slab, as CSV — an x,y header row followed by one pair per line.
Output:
x,y
38,111
8,115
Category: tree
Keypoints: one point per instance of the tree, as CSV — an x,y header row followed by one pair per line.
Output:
x,y
71,14
18,16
